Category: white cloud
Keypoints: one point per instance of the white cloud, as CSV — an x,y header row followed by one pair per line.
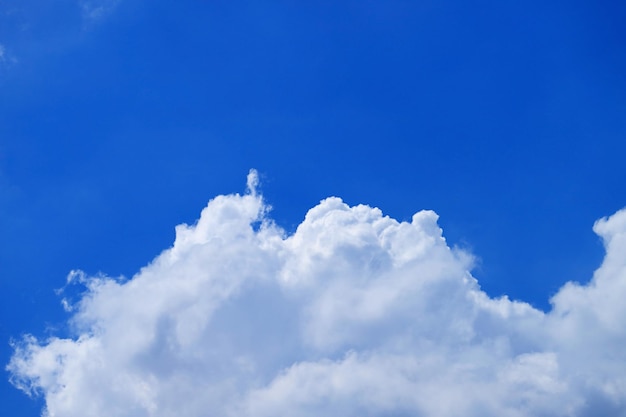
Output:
x,y
355,314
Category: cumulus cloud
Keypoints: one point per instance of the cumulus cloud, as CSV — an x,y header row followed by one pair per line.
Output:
x,y
354,314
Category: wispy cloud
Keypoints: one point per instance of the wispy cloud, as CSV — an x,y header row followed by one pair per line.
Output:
x,y
354,314
5,57
50,27
97,9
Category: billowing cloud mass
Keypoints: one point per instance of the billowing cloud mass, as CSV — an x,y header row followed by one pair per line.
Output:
x,y
354,314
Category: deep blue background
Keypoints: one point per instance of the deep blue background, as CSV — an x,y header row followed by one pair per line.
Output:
x,y
507,118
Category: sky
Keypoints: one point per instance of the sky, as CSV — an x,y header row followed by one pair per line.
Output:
x,y
341,208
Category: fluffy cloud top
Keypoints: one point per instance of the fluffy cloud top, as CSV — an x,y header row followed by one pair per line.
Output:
x,y
355,314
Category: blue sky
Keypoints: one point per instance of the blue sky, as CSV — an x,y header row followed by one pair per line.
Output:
x,y
121,119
